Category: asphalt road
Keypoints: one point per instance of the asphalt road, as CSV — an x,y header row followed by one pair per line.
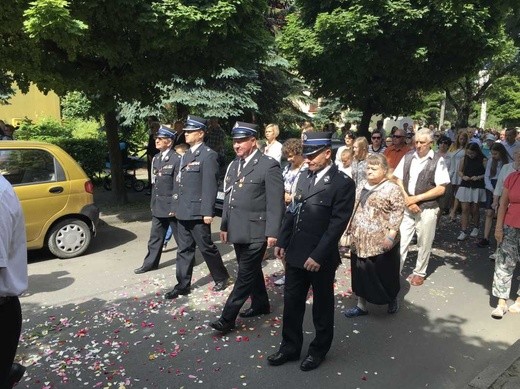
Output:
x,y
91,322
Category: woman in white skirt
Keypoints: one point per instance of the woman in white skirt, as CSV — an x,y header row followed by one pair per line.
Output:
x,y
472,190
456,154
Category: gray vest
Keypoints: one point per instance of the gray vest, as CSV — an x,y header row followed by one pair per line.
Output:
x,y
425,181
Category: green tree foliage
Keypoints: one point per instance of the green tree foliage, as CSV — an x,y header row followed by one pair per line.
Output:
x,y
263,94
16,51
504,101
75,105
46,130
472,88
121,50
378,55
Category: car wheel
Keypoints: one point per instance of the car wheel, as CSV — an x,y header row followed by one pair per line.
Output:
x,y
69,238
138,185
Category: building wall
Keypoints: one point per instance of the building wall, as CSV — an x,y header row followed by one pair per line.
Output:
x,y
34,105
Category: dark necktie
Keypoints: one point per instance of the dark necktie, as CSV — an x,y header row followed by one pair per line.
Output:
x,y
241,165
312,181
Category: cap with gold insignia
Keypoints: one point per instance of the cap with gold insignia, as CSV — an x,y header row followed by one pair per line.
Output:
x,y
244,130
164,132
316,141
195,123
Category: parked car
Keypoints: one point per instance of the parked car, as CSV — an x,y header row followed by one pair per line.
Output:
x,y
56,196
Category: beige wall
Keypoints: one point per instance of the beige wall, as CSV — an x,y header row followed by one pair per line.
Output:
x,y
34,105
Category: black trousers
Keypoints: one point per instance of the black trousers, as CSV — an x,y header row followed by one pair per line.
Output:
x,y
297,284
155,242
192,233
11,319
250,281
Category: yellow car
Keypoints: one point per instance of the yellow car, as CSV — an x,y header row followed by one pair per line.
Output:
x,y
56,196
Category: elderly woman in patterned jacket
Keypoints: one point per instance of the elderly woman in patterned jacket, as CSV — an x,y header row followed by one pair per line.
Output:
x,y
375,258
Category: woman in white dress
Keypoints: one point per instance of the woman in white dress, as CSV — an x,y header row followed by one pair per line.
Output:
x,y
457,152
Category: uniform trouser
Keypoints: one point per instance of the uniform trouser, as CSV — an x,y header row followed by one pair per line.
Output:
x,y
250,281
505,263
155,242
11,319
424,224
297,283
192,233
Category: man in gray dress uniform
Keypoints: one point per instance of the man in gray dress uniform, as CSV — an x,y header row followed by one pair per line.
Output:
x,y
165,166
253,210
196,190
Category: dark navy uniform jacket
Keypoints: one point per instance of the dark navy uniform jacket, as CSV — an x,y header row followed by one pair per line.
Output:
x,y
164,172
254,201
314,223
196,187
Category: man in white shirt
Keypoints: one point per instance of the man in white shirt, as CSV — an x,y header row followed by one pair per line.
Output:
x,y
13,281
423,176
510,143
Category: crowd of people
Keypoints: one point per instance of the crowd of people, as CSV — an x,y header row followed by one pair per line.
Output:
x,y
369,202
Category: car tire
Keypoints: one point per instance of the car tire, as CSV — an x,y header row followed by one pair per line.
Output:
x,y
138,185
69,238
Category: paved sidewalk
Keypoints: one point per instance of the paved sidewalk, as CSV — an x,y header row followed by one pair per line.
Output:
x,y
99,325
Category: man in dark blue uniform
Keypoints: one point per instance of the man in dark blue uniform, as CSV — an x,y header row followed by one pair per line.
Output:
x,y
308,242
165,166
196,188
253,210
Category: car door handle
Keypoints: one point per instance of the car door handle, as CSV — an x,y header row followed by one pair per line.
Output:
x,y
56,189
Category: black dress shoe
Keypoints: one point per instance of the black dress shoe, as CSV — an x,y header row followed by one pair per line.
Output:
x,y
279,358
15,374
142,269
310,363
393,307
221,285
250,312
222,325
174,293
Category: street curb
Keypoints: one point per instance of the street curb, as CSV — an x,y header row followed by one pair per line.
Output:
x,y
499,366
126,217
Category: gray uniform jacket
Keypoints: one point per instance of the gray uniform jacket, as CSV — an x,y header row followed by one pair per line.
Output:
x,y
254,201
196,187
164,172
318,217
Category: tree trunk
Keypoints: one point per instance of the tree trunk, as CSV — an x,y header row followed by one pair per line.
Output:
x,y
114,153
463,115
365,121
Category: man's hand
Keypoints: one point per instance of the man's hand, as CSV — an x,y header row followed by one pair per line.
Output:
x,y
279,253
271,242
311,265
223,236
208,219
414,208
410,200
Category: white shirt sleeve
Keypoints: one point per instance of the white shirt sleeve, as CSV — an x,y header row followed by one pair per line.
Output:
x,y
442,176
399,170
506,170
487,174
